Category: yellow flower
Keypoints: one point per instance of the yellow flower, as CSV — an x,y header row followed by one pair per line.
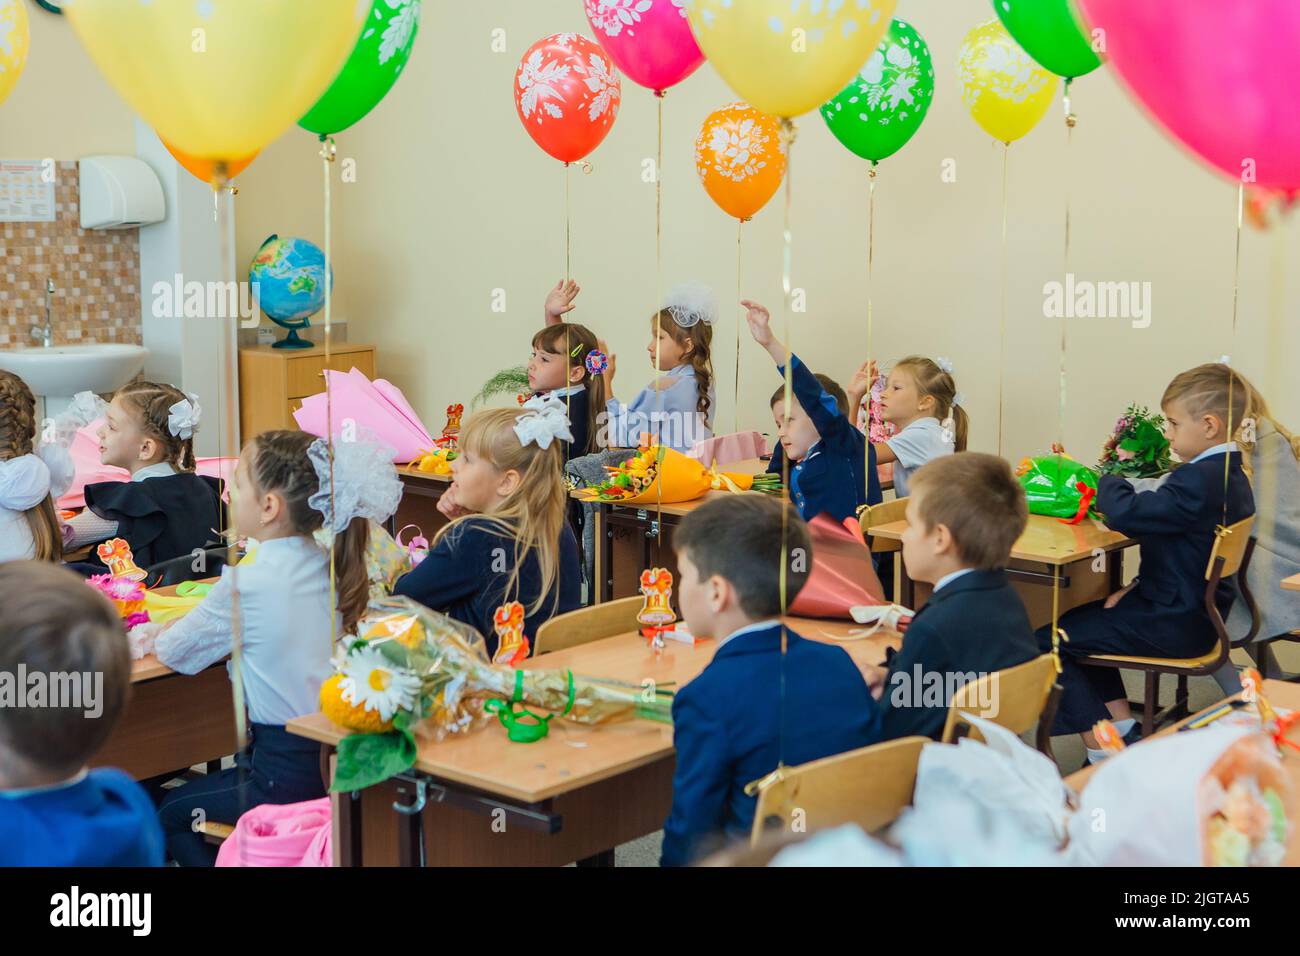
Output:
x,y
348,715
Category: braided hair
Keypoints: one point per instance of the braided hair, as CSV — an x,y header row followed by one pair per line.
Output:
x,y
17,428
152,402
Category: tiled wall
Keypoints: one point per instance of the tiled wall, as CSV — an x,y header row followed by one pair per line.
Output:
x,y
96,275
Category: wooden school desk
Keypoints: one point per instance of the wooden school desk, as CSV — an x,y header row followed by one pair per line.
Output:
x,y
1292,583
574,795
171,721
419,504
630,538
1280,694
1047,546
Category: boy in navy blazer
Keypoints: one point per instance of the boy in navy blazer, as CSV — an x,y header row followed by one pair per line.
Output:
x,y
1162,613
750,709
832,465
964,513
53,810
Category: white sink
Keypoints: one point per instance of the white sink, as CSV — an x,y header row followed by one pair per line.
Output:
x,y
64,370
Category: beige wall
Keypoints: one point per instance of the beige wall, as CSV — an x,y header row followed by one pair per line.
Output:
x,y
452,200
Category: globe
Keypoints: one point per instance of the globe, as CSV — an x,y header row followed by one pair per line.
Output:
x,y
289,276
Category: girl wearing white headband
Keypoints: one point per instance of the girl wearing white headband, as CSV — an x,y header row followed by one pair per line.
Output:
x,y
678,408
165,510
509,539
282,496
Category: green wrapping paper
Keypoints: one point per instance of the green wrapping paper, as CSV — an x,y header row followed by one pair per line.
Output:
x,y
1058,486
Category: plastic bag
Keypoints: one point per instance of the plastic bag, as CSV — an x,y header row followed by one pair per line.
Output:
x,y
1058,486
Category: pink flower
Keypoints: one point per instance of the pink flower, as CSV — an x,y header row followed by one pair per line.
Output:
x,y
1123,455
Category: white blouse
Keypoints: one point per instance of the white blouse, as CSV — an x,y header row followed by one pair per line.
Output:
x,y
285,629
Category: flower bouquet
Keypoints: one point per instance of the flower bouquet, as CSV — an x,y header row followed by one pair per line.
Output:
x,y
1057,486
1138,448
414,670
125,594
436,461
658,473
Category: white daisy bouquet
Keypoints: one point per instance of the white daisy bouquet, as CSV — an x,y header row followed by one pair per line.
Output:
x,y
415,671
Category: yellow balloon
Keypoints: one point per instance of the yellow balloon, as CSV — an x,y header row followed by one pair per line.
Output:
x,y
219,79
788,58
15,39
1003,87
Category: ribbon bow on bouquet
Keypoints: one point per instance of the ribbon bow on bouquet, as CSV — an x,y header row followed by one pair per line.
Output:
x,y
544,420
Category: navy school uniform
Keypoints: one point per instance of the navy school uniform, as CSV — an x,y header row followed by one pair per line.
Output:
x,y
463,576
1164,615
830,479
727,730
161,518
103,819
972,625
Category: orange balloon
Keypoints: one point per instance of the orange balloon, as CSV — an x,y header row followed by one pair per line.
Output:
x,y
205,169
740,159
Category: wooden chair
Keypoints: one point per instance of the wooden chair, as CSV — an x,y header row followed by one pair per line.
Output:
x,y
588,624
1231,556
869,516
868,787
1025,695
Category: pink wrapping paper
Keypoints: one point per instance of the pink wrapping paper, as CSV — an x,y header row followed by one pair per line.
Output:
x,y
378,407
85,456
722,449
842,575
291,834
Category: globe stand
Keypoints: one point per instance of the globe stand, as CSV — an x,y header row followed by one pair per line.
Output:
x,y
292,341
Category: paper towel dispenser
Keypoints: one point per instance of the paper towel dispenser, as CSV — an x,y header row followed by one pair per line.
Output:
x,y
119,192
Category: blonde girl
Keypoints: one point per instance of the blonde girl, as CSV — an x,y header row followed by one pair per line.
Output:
x,y
29,526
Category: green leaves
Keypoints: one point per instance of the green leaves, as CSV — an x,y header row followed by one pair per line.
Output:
x,y
365,760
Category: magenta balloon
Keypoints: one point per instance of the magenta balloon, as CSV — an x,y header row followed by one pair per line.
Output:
x,y
1220,75
650,41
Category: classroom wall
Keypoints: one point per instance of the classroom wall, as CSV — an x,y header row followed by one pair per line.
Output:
x,y
452,201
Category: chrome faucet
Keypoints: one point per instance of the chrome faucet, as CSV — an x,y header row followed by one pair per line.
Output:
x,y
46,335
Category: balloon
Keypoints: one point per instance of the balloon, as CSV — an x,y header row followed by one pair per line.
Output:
x,y
649,40
786,58
218,79
567,95
1220,77
370,72
205,170
1048,31
1005,90
740,159
15,39
883,106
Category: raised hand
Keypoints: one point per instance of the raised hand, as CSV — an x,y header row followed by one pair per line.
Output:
x,y
560,300
760,323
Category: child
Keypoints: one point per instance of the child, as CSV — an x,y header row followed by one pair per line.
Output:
x,y
165,510
1162,613
509,539
558,367
963,515
677,409
29,526
53,810
833,467
281,496
752,707
920,400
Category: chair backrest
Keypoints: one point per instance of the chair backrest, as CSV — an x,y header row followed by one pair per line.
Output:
x,y
868,787
1014,698
588,624
1230,544
887,511
180,570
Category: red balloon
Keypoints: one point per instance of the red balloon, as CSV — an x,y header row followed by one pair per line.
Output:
x,y
567,94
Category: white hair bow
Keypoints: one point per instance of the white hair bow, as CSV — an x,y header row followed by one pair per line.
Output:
x,y
945,364
365,483
544,420
691,303
183,417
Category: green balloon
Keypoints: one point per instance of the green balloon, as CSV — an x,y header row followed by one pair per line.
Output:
x,y
883,106
371,70
1048,31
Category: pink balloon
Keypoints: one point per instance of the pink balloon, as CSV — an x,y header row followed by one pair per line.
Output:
x,y
648,40
1220,75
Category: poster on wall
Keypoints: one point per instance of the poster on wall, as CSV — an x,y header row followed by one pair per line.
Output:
x,y
26,191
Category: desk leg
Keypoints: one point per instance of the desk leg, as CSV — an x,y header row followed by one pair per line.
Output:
x,y
606,560
906,587
347,814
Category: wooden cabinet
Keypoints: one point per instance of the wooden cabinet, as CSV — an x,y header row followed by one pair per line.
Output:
x,y
273,382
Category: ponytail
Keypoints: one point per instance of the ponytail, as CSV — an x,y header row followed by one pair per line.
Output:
x,y
351,578
17,429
